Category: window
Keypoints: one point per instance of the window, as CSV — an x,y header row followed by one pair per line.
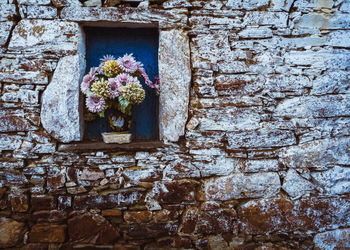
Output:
x,y
143,44
61,111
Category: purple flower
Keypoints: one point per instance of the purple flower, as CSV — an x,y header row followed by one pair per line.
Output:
x,y
95,103
127,63
113,88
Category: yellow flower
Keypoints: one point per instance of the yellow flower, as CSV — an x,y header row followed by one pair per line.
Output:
x,y
100,88
111,68
133,93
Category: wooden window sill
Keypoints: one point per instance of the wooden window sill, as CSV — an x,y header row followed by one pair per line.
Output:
x,y
101,146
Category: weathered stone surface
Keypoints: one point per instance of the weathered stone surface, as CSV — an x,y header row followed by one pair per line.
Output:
x,y
246,5
209,221
47,233
295,185
318,154
42,202
91,228
272,215
175,78
334,181
91,174
123,198
34,2
10,142
60,112
19,203
221,166
46,35
147,231
50,216
125,15
11,232
137,217
252,166
5,28
180,169
309,106
24,77
337,239
93,3
38,12
7,12
11,121
238,186
261,138
61,3
332,82
323,21
174,192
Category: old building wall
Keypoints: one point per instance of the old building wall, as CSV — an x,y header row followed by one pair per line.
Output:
x,y
262,163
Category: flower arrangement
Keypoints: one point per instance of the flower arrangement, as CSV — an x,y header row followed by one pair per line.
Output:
x,y
115,82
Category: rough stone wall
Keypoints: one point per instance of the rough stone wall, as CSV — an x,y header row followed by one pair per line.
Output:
x,y
264,162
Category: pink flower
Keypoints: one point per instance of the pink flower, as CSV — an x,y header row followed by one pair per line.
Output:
x,y
123,79
107,58
87,80
127,63
113,88
95,103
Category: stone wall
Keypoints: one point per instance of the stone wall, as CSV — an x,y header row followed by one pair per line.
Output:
x,y
263,162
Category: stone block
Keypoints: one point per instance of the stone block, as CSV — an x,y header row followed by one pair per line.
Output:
x,y
37,12
323,21
43,202
24,77
15,120
295,185
46,35
137,217
318,154
266,165
10,142
281,215
275,19
7,12
91,229
19,203
180,169
62,3
312,106
334,181
47,233
238,185
11,232
337,239
60,113
331,82
5,29
52,216
147,231
125,15
91,174
246,4
123,198
262,138
175,77
34,2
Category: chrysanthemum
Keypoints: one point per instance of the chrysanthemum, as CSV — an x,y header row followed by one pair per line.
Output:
x,y
127,63
123,79
100,88
95,104
87,79
106,58
133,92
111,68
113,88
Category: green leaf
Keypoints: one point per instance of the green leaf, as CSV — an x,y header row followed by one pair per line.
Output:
x,y
123,104
101,114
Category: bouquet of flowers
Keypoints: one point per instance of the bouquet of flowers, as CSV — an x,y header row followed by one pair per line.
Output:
x,y
115,83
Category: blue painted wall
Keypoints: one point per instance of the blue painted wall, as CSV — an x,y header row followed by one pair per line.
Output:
x,y
143,44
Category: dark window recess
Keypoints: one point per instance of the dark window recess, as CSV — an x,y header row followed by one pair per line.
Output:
x,y
143,44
